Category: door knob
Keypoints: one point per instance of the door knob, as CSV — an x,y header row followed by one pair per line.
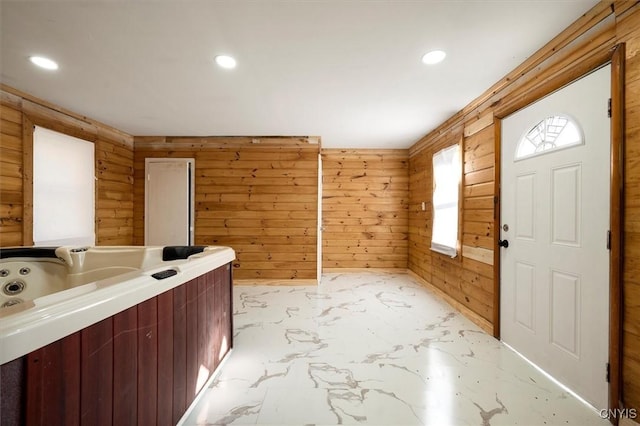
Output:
x,y
503,243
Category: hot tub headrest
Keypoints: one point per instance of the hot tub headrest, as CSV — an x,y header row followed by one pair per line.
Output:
x,y
180,252
38,252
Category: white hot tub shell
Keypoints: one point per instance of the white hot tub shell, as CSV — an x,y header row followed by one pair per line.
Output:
x,y
45,297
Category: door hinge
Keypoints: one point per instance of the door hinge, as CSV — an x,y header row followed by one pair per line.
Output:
x,y
608,372
609,108
608,240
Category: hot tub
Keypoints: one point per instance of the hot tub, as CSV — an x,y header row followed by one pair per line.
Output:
x,y
116,310
27,274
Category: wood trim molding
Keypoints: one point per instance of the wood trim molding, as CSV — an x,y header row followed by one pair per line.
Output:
x,y
47,114
582,25
496,225
395,153
461,187
566,74
622,6
480,123
10,100
216,142
478,253
616,255
60,122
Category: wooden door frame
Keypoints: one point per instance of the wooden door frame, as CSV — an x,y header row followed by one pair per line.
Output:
x,y
615,57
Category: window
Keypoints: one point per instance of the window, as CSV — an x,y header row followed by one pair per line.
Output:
x,y
63,189
447,170
550,134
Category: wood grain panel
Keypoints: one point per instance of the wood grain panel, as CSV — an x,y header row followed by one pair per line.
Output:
x,y
70,375
147,362
114,169
97,374
53,383
202,331
11,191
210,297
125,366
629,31
224,310
365,203
477,124
191,338
179,352
248,196
166,338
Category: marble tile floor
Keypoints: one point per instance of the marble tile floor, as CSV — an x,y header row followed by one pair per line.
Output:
x,y
373,349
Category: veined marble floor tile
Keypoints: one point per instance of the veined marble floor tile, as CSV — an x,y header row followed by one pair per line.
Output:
x,y
373,349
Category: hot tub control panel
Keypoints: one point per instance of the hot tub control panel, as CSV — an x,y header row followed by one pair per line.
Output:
x,y
164,274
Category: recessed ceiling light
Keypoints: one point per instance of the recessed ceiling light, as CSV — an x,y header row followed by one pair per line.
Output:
x,y
225,61
434,57
43,62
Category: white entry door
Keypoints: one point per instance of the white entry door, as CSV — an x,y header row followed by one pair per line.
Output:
x,y
554,296
169,192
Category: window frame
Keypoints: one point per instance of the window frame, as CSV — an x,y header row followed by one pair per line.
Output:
x,y
457,160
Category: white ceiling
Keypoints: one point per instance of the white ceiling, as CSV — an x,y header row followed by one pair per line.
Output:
x,y
348,71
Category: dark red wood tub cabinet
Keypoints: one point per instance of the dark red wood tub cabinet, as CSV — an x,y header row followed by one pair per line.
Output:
x,y
144,365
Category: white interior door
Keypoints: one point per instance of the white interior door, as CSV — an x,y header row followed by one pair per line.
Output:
x,y
555,215
169,202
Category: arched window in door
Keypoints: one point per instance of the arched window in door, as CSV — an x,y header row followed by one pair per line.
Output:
x,y
552,133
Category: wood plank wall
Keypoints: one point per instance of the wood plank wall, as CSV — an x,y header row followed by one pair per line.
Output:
x,y
628,31
468,278
114,192
113,163
365,202
10,174
469,281
261,199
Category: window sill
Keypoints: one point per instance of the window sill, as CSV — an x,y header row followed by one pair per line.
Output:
x,y
447,251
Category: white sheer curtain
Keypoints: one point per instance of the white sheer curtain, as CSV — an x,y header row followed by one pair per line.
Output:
x,y
447,171
63,189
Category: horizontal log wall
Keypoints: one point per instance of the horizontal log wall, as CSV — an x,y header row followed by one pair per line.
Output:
x,y
583,45
114,192
11,174
261,199
365,201
113,165
467,278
